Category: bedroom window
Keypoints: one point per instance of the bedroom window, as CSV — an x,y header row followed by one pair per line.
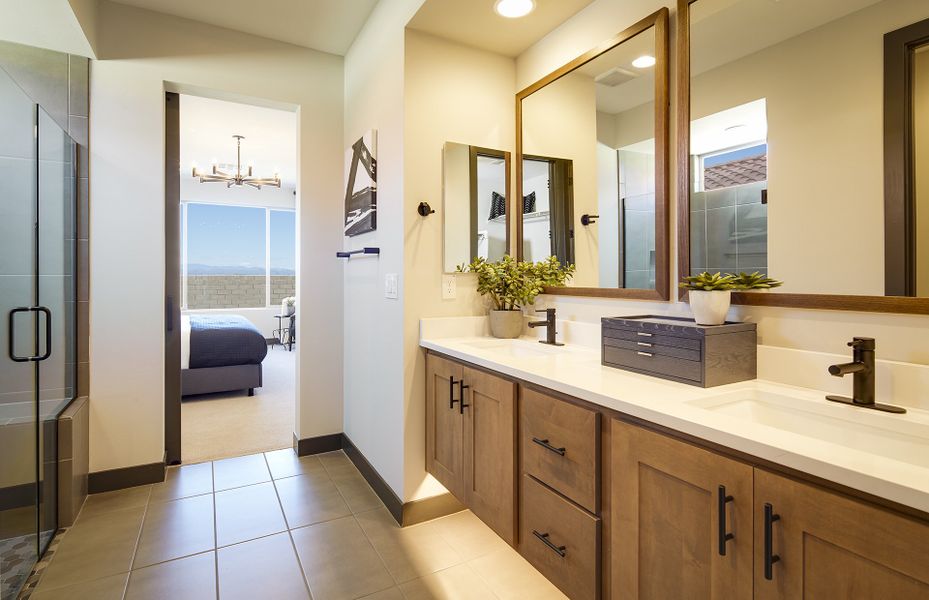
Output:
x,y
236,256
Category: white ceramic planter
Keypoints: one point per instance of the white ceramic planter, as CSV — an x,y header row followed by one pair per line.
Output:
x,y
710,308
506,324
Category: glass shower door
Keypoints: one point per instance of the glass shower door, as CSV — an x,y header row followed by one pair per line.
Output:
x,y
18,373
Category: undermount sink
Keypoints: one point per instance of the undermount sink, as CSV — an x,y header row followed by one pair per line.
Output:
x,y
518,348
899,437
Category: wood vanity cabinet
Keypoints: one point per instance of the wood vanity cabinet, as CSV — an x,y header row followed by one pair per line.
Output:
x,y
818,544
675,507
471,440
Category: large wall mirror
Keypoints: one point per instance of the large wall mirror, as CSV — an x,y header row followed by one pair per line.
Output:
x,y
807,150
475,186
591,166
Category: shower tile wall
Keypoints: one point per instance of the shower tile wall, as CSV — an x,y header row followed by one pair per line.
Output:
x,y
637,190
60,84
729,230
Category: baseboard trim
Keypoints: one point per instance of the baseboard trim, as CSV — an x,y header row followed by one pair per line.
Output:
x,y
117,479
393,503
426,509
318,444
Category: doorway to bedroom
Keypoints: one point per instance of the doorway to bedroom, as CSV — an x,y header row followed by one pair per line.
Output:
x,y
236,266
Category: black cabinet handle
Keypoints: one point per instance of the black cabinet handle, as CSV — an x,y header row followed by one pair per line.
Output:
x,y
769,557
451,391
544,443
461,403
721,500
543,537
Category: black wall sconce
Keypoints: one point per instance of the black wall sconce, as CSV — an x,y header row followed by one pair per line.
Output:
x,y
424,209
588,219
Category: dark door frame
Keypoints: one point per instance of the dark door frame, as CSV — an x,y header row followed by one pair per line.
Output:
x,y
172,279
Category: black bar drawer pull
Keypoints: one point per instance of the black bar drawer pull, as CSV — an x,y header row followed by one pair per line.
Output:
x,y
451,391
544,443
769,557
543,537
461,403
649,354
721,500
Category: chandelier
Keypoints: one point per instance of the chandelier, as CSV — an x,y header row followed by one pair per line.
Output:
x,y
238,178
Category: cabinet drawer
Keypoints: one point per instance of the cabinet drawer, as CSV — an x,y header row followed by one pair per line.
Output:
x,y
560,539
653,348
678,368
637,335
559,444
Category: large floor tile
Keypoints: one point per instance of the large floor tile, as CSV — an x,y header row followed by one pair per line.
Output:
x,y
95,547
262,568
133,497
108,588
409,552
247,513
455,583
357,493
339,561
468,535
192,578
309,499
286,463
184,481
334,459
175,529
510,577
393,593
240,471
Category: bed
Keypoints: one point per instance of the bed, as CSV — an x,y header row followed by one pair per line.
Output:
x,y
220,353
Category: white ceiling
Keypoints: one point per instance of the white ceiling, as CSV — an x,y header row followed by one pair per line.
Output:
x,y
736,126
476,24
326,25
207,127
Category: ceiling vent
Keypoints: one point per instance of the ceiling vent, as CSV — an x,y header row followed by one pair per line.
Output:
x,y
615,76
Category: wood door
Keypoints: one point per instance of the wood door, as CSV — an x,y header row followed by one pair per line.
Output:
x,y
830,546
490,451
444,449
667,498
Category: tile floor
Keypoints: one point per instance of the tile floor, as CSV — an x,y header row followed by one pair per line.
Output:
x,y
274,526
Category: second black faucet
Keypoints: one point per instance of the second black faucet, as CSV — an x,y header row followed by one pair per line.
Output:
x,y
549,323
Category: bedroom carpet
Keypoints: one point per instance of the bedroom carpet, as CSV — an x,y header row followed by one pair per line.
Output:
x,y
232,424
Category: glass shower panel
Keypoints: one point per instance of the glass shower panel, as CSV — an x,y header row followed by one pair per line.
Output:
x,y
56,245
18,456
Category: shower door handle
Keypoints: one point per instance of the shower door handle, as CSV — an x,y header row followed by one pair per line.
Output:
x,y
48,334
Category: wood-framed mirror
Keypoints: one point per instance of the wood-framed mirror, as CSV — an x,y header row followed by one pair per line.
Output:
x,y
803,155
591,166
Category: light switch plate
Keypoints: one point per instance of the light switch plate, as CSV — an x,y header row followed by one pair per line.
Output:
x,y
449,287
391,286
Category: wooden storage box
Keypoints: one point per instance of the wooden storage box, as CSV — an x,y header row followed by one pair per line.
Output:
x,y
680,350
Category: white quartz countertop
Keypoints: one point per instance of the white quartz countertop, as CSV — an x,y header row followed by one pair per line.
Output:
x,y
897,470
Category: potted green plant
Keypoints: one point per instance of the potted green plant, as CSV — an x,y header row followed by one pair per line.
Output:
x,y
754,281
513,284
710,296
288,306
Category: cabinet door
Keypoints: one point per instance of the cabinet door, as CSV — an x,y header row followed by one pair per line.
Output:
x,y
490,451
444,449
830,546
673,507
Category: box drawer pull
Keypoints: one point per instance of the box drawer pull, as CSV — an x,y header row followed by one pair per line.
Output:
x,y
544,443
543,537
645,354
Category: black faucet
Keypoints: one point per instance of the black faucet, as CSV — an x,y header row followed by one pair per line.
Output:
x,y
862,367
549,323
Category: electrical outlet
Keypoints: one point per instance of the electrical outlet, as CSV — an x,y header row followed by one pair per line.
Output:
x,y
449,287
391,286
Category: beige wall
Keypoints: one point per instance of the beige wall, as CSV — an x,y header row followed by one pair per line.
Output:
x,y
142,53
900,337
455,93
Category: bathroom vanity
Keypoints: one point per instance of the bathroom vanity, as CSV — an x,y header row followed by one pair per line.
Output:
x,y
615,484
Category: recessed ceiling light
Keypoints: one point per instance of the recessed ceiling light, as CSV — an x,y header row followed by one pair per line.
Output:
x,y
643,62
513,9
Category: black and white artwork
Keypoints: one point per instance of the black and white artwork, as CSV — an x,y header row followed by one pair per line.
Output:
x,y
361,185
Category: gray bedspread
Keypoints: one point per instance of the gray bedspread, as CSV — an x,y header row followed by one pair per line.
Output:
x,y
225,340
